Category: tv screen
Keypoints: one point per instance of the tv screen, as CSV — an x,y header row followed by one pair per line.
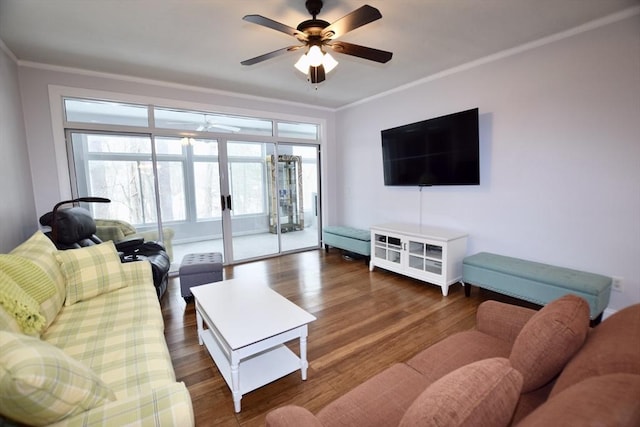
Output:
x,y
440,151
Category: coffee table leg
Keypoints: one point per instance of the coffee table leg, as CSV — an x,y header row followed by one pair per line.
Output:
x,y
303,355
235,383
199,324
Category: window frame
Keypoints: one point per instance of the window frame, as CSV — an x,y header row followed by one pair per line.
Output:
x,y
187,162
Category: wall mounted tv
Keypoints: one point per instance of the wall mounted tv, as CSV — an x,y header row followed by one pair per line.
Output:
x,y
440,151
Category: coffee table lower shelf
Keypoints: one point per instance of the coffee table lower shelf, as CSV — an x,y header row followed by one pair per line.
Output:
x,y
256,370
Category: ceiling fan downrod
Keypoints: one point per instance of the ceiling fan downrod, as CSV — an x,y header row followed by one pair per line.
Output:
x,y
314,7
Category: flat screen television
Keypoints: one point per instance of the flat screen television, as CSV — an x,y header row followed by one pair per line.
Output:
x,y
440,151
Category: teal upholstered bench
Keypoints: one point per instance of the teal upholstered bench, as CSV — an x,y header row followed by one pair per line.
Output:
x,y
350,239
535,282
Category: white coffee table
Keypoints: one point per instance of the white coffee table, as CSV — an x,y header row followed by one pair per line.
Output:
x,y
247,324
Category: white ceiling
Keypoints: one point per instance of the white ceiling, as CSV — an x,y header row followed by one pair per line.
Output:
x,y
201,42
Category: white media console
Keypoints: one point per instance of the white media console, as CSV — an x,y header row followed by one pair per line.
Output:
x,y
431,254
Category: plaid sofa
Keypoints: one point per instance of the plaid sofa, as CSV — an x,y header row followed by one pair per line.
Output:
x,y
82,340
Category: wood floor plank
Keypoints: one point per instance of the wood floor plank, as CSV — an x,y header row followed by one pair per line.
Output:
x,y
366,322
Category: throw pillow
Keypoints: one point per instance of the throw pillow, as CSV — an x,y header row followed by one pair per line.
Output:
x,y
39,249
483,393
612,347
20,305
549,339
28,276
607,400
91,271
40,384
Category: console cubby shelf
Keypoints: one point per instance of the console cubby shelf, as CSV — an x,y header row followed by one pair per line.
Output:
x,y
431,254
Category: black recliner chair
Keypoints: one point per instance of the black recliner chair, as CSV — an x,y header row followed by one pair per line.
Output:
x,y
74,227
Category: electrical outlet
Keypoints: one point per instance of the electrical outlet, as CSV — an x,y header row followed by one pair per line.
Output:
x,y
616,284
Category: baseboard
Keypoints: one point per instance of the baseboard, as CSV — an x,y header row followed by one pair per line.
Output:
x,y
608,312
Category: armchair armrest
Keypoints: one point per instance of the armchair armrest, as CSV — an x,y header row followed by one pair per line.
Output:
x,y
109,232
152,235
291,416
502,320
129,245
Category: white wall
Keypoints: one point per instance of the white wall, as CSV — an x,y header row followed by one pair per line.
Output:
x,y
36,80
560,155
17,210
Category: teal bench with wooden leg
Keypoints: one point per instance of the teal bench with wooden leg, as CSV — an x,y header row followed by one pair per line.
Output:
x,y
350,239
535,282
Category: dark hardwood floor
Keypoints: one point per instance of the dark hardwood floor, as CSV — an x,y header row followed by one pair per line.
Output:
x,y
366,321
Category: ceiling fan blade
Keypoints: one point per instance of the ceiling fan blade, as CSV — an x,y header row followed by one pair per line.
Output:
x,y
369,53
270,55
275,25
355,19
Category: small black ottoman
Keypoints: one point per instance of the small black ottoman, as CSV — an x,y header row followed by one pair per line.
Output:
x,y
198,269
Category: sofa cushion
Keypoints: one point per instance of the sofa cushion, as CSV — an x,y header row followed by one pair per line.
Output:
x,y
135,304
549,339
380,401
608,400
20,305
131,360
483,393
502,320
456,351
91,271
291,416
611,347
39,249
40,384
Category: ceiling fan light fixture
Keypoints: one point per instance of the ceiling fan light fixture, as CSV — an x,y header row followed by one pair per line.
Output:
x,y
303,64
328,62
305,67
314,56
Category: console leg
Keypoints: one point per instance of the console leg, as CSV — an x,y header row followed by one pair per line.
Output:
x,y
326,248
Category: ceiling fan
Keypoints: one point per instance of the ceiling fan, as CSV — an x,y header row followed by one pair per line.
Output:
x,y
316,35
211,124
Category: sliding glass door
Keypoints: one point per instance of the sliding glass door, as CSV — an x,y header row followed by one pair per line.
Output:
x,y
297,204
181,188
246,187
248,204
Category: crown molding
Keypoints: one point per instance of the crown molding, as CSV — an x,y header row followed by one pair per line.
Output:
x,y
162,83
10,54
591,25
